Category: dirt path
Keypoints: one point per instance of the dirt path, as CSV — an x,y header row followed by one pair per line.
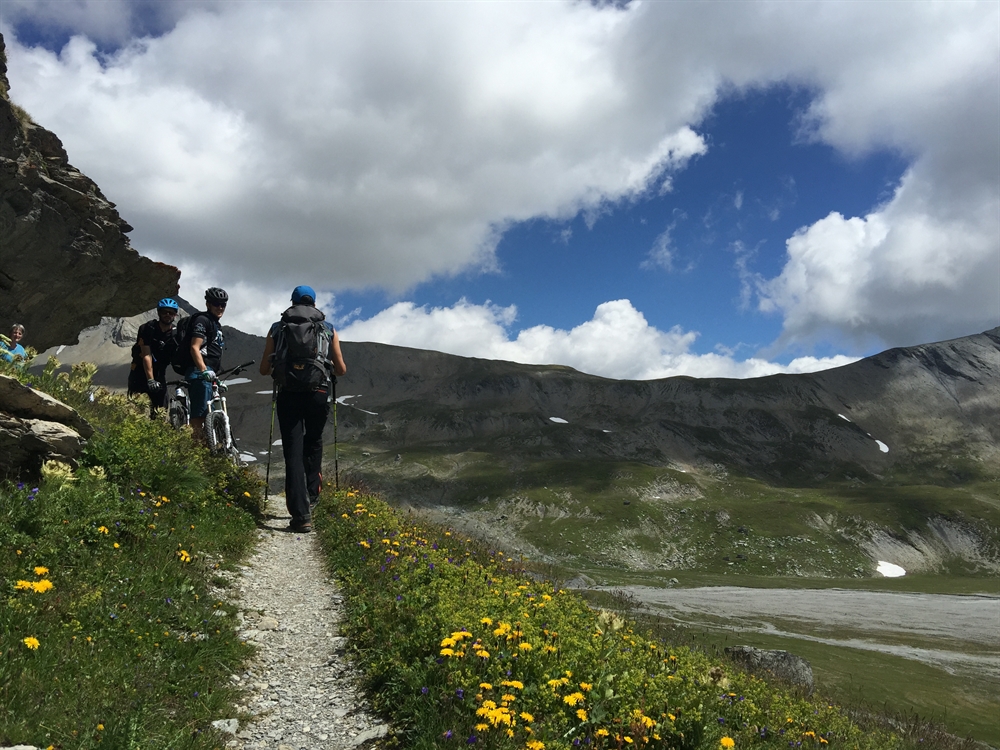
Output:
x,y
301,690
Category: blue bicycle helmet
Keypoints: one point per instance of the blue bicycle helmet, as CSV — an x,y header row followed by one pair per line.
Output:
x,y
168,303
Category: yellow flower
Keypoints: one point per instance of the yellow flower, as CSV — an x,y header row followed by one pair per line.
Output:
x,y
602,732
485,686
586,687
100,727
486,621
41,570
447,652
535,745
727,742
31,642
246,494
40,587
448,642
22,585
508,698
581,714
482,727
516,684
103,529
628,740
528,718
116,545
184,556
573,698
524,646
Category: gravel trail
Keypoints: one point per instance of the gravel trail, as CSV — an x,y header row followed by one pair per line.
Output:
x,y
302,691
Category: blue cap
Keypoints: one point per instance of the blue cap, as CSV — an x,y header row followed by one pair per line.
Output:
x,y
303,295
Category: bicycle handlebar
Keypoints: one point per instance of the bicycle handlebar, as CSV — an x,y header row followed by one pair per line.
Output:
x,y
219,375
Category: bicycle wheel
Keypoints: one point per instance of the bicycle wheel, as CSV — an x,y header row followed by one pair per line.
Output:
x,y
177,415
217,429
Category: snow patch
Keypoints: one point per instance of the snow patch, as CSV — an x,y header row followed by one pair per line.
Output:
x,y
277,442
61,347
843,417
239,381
882,446
264,393
889,570
558,420
342,400
247,458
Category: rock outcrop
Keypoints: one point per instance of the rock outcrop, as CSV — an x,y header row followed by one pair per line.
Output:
x,y
65,259
34,428
785,666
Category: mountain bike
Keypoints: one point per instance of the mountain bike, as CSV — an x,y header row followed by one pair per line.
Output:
x,y
218,430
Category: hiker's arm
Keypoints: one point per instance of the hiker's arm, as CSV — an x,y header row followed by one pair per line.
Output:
x,y
147,359
199,363
265,358
339,368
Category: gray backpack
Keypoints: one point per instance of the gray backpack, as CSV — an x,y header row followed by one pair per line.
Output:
x,y
302,350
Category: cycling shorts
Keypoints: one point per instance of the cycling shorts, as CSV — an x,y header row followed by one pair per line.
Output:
x,y
199,394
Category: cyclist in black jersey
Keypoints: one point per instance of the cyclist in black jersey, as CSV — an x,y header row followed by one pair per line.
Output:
x,y
151,353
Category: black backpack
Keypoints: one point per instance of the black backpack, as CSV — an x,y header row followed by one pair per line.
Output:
x,y
181,360
302,350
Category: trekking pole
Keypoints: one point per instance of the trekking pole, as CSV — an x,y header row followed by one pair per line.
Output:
x,y
336,463
270,440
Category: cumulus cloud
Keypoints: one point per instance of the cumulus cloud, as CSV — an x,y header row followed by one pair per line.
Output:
x,y
618,342
384,144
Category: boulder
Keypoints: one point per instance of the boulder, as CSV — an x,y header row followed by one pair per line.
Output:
x,y
19,400
34,428
785,666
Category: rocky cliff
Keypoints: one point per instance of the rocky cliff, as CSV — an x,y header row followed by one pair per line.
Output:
x,y
65,259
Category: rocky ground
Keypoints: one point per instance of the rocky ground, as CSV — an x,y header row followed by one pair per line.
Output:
x,y
301,690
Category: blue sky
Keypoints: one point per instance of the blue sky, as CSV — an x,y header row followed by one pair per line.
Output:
x,y
656,189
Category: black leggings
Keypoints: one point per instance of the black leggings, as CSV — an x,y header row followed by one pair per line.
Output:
x,y
301,418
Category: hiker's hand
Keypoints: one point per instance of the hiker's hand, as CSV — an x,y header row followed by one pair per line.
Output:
x,y
208,375
153,385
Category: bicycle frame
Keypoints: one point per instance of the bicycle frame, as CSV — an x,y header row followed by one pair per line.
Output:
x,y
218,432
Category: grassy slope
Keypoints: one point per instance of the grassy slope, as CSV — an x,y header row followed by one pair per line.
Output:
x,y
128,644
628,523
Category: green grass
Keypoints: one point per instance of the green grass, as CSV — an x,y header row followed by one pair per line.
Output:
x,y
113,635
459,646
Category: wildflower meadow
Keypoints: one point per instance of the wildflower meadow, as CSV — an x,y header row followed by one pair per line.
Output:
x,y
113,633
461,647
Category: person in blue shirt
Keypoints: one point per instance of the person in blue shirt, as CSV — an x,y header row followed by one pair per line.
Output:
x,y
14,352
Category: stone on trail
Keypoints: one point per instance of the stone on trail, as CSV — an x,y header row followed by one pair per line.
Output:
x,y
229,726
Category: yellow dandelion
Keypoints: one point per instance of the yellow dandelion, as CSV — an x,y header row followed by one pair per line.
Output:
x,y
535,745
602,732
581,714
573,698
102,529
23,585
100,727
516,684
485,686
524,646
447,652
31,642
41,570
246,494
486,621
727,742
528,718
482,727
40,587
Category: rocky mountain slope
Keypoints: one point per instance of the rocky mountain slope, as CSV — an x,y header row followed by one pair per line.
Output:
x,y
65,258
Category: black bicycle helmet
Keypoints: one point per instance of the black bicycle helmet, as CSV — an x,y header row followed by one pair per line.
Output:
x,y
215,294
167,303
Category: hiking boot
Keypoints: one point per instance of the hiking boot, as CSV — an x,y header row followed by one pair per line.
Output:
x,y
313,501
300,526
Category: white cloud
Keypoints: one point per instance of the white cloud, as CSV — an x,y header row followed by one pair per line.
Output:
x,y
383,144
617,342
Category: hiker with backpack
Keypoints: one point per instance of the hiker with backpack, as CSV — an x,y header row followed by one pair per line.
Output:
x,y
152,352
199,356
302,354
